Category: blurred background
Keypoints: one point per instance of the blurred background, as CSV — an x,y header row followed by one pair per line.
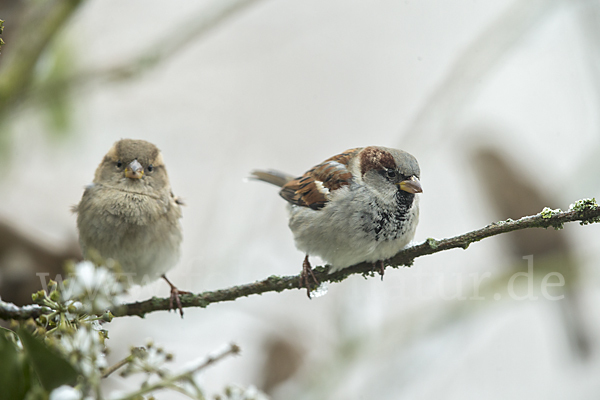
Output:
x,y
499,101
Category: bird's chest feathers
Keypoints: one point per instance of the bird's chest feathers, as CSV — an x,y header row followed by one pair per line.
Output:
x,y
138,209
128,208
387,220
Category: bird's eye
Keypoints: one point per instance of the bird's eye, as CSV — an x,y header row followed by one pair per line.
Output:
x,y
391,173
119,164
150,168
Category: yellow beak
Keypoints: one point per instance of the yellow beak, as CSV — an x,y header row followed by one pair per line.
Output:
x,y
411,185
134,170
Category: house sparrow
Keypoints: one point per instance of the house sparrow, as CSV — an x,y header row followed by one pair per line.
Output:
x,y
358,206
130,215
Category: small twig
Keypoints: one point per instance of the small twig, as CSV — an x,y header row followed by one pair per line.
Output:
x,y
186,375
584,211
231,350
187,32
1,30
107,371
476,62
17,70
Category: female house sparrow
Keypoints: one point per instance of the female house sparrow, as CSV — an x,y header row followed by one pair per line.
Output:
x,y
358,206
130,215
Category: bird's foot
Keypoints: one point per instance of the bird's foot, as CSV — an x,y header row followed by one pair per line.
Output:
x,y
174,299
307,275
379,267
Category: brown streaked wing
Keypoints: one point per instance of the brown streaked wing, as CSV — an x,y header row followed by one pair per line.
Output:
x,y
312,188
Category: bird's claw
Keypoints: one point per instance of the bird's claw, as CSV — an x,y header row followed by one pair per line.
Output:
x,y
174,299
379,266
304,276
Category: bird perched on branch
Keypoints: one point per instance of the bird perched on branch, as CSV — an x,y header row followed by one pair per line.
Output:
x,y
129,214
358,206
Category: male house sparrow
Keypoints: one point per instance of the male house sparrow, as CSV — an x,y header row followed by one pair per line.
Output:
x,y
130,215
358,206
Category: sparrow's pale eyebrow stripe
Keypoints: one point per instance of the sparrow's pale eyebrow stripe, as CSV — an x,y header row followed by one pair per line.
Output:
x,y
159,160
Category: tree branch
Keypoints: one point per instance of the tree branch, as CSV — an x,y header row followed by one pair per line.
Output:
x,y
200,24
10,311
32,39
585,211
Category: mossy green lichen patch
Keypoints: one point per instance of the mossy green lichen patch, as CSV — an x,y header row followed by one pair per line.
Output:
x,y
548,213
322,269
433,243
583,205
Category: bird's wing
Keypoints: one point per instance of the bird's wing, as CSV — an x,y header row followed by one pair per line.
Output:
x,y
314,188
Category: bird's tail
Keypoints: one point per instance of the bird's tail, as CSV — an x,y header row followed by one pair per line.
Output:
x,y
273,177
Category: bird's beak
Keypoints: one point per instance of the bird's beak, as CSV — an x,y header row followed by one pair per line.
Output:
x,y
134,170
411,185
